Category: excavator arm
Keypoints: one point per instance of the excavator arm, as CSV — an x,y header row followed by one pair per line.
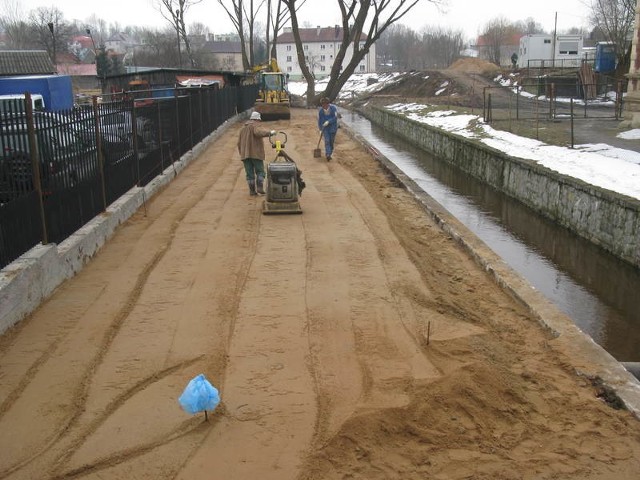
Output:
x,y
270,66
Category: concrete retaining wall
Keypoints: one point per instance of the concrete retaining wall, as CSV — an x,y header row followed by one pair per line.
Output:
x,y
605,218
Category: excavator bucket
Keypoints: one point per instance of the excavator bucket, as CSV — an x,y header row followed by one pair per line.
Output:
x,y
273,111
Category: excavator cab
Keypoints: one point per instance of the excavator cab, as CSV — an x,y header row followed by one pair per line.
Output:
x,y
274,81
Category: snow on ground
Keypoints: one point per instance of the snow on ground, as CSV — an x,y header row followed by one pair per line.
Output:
x,y
357,84
630,134
511,81
601,165
597,164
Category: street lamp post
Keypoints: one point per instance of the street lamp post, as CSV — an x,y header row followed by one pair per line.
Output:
x,y
102,73
53,38
95,52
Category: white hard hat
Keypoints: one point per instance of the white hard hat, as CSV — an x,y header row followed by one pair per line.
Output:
x,y
255,116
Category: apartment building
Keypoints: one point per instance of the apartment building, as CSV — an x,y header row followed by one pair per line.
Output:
x,y
320,45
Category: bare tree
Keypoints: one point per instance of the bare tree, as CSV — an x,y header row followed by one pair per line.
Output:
x,y
362,24
496,35
615,19
529,25
98,28
250,14
235,12
158,48
50,30
18,34
260,49
396,45
277,17
441,47
400,48
12,22
198,29
244,16
174,12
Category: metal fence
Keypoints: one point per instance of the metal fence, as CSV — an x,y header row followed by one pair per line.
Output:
x,y
527,109
59,170
552,100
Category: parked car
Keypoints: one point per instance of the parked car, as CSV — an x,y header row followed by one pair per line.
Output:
x,y
116,128
64,155
17,103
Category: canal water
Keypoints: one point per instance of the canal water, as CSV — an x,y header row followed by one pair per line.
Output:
x,y
599,292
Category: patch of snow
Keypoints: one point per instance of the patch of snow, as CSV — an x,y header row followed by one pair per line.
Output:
x,y
630,134
611,168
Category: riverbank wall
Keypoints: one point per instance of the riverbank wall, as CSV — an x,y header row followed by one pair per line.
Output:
x,y
605,218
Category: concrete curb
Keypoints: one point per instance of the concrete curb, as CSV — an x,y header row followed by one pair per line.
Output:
x,y
28,281
587,357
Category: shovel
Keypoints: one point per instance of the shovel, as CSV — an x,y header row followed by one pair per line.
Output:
x,y
316,152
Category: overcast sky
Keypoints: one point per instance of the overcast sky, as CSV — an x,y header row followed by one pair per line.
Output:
x,y
466,15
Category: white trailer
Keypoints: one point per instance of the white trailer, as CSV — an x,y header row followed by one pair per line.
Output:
x,y
542,50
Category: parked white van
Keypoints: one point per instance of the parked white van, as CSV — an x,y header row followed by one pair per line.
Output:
x,y
15,103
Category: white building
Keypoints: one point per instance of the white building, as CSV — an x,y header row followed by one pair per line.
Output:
x,y
320,47
542,50
120,43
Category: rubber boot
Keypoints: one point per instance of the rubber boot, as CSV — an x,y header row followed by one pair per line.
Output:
x,y
259,185
252,188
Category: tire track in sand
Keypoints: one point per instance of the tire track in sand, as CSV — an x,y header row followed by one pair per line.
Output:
x,y
64,352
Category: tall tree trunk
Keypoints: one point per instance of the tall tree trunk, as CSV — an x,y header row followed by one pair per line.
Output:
x,y
236,16
355,15
304,68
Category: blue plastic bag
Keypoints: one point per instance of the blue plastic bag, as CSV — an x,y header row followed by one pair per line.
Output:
x,y
199,395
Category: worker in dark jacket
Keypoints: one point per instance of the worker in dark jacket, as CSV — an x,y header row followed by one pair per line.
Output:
x,y
328,124
251,149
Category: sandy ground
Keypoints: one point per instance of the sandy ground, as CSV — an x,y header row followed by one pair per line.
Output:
x,y
354,341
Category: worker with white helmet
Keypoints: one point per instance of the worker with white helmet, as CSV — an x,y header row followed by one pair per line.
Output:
x,y
251,149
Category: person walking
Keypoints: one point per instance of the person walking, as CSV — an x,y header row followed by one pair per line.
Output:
x,y
328,124
251,149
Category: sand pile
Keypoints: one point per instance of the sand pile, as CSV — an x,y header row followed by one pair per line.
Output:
x,y
474,65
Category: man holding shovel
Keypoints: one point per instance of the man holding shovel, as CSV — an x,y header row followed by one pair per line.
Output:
x,y
328,124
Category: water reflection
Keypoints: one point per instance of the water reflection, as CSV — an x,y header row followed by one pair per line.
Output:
x,y
594,288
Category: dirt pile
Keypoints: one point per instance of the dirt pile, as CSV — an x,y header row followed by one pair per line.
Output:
x,y
421,84
458,85
429,86
474,65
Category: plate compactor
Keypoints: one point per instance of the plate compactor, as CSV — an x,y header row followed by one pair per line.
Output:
x,y
284,181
